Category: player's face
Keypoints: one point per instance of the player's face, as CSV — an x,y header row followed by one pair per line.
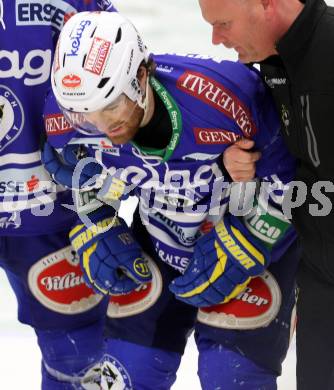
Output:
x,y
241,25
119,121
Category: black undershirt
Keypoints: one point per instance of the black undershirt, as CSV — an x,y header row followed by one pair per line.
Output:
x,y
157,133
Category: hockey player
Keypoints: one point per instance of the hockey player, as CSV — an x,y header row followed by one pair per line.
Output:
x,y
155,128
35,252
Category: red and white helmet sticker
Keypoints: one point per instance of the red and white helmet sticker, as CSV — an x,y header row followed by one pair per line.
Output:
x,y
97,56
254,308
138,300
71,81
57,283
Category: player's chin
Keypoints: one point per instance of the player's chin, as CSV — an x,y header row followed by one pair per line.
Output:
x,y
120,138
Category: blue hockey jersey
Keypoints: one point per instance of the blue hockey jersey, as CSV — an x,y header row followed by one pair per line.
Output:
x,y
29,202
182,188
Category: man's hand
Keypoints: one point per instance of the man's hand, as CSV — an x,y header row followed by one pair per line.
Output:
x,y
239,161
110,258
223,263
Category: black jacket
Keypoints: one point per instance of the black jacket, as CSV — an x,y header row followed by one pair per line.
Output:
x,y
302,82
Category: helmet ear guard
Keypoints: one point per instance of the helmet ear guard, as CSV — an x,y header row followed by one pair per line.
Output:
x,y
97,58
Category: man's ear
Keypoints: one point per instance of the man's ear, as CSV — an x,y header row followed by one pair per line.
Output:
x,y
269,7
265,3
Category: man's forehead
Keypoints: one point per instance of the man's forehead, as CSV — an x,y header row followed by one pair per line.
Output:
x,y
220,7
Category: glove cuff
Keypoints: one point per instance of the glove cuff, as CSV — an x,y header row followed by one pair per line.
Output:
x,y
101,221
247,250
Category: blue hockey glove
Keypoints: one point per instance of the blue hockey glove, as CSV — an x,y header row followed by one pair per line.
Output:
x,y
111,259
223,263
61,167
97,186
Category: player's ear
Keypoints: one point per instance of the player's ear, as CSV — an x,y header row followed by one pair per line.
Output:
x,y
142,75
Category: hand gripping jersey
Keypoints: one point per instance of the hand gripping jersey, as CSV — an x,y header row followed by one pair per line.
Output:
x,y
28,33
182,189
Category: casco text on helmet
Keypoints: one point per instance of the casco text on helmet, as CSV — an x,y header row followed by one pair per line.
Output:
x,y
96,60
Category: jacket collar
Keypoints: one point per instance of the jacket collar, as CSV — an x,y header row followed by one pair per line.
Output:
x,y
301,30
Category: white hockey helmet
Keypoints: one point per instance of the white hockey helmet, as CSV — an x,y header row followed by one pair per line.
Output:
x,y
97,58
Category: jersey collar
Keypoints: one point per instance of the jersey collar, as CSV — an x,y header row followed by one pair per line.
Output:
x,y
175,118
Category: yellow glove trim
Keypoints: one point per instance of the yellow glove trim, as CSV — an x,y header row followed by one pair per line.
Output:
x,y
116,189
235,250
85,263
91,232
75,230
238,289
217,272
246,244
